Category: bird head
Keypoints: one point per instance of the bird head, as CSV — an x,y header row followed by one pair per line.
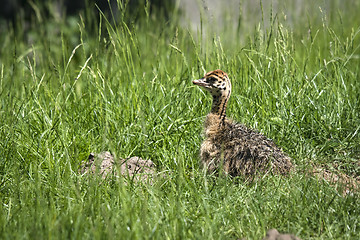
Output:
x,y
216,82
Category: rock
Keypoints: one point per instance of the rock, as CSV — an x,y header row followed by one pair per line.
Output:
x,y
134,168
274,234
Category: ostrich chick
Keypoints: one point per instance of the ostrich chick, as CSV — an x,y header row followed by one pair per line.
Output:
x,y
233,147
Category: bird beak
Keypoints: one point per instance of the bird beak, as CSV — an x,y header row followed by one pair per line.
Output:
x,y
200,82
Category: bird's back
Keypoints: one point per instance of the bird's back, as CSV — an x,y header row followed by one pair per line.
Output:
x,y
240,150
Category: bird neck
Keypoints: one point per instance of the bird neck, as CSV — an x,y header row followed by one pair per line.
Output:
x,y
219,105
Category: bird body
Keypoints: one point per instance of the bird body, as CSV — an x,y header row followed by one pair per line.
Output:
x,y
233,147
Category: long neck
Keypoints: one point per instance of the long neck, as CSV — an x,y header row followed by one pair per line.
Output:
x,y
219,105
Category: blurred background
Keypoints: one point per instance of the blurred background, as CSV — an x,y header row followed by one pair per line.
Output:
x,y
214,11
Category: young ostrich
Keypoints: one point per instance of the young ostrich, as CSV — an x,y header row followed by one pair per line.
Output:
x,y
233,147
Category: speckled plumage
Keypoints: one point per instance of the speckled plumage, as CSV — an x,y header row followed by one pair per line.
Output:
x,y
233,147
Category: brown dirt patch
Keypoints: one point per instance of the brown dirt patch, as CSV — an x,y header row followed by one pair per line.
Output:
x,y
342,182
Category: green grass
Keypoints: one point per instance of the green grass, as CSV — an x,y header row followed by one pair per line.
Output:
x,y
73,86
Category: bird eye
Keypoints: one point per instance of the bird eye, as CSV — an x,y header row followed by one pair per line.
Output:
x,y
211,79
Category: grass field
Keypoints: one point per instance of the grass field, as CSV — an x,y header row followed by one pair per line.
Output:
x,y
72,86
